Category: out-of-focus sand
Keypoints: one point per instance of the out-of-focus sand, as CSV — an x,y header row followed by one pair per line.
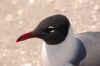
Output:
x,y
20,16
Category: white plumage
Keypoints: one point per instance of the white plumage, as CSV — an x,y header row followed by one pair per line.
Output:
x,y
62,54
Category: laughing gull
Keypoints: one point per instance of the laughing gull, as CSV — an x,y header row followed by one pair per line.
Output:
x,y
60,46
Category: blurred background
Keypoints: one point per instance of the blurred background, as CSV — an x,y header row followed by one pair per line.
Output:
x,y
21,16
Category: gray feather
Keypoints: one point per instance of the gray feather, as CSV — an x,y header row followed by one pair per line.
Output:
x,y
91,41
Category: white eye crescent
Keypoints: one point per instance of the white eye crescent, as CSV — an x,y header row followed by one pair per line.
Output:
x,y
51,29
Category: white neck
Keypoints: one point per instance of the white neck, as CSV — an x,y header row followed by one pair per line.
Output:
x,y
61,54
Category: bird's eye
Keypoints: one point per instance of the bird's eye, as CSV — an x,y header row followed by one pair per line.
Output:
x,y
50,29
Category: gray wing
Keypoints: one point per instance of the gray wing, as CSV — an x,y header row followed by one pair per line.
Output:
x,y
91,41
80,53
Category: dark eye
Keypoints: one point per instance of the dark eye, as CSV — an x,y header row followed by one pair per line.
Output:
x,y
50,29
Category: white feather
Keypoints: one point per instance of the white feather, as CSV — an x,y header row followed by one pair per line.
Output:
x,y
61,54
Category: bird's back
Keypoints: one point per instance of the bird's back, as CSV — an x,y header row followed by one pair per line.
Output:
x,y
91,41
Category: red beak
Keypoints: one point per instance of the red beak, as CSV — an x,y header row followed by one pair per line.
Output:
x,y
26,36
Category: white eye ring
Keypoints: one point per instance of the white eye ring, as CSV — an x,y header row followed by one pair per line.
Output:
x,y
51,27
52,31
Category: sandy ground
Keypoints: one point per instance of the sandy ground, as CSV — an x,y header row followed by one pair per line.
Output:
x,y
20,16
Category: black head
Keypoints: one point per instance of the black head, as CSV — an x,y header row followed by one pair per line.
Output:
x,y
53,29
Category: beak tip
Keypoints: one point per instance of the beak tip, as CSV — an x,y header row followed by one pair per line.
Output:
x,y
17,40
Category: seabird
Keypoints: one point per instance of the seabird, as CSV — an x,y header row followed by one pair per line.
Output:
x,y
60,46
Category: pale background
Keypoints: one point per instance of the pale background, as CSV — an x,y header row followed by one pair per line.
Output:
x,y
20,16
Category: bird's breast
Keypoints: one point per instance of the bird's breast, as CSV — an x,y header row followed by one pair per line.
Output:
x,y
58,55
